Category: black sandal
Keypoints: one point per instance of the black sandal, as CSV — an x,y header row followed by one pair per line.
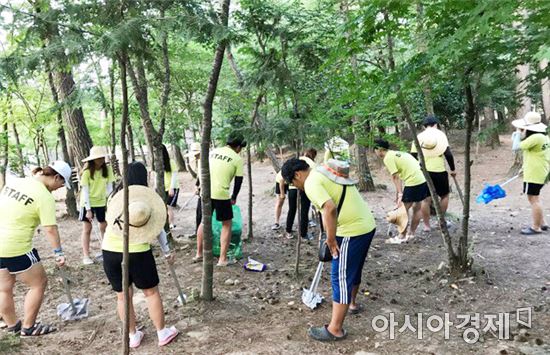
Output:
x,y
37,329
14,329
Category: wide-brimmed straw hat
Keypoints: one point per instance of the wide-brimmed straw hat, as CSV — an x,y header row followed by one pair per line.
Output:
x,y
433,142
400,218
96,153
337,171
532,121
194,150
147,214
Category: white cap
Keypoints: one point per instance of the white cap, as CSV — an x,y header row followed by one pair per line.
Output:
x,y
64,170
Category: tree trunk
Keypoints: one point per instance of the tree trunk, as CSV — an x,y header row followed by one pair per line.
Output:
x,y
250,234
142,152
131,145
299,239
112,107
5,145
180,161
20,157
491,121
426,80
207,267
521,90
545,89
123,60
70,198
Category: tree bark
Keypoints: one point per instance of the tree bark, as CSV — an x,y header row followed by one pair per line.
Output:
x,y
207,274
112,108
180,161
521,90
4,166
545,89
491,122
131,145
250,234
20,157
426,80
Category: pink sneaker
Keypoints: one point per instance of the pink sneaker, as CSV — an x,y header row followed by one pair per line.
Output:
x,y
167,335
135,340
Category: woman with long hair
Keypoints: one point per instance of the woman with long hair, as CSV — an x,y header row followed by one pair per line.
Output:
x,y
171,185
96,184
27,203
147,216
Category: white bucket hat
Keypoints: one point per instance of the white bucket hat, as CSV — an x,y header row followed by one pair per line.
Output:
x,y
64,170
433,142
337,171
96,153
147,214
532,121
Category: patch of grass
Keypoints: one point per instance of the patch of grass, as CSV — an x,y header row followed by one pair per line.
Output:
x,y
9,344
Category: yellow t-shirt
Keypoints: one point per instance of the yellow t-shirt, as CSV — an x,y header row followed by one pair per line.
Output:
x,y
355,217
25,203
168,177
97,186
536,158
433,164
406,166
112,242
279,179
225,164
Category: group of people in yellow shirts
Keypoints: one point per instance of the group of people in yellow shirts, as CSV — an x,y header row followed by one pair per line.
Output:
x,y
347,219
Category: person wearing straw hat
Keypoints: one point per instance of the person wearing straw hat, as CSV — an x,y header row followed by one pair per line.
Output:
x,y
171,185
435,146
350,227
404,170
532,140
96,184
400,218
25,204
225,165
193,163
147,216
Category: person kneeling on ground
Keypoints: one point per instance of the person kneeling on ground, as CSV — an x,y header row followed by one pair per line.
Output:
x,y
404,169
26,203
532,139
350,227
147,216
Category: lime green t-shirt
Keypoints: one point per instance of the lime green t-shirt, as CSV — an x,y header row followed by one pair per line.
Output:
x,y
406,166
433,164
536,158
112,242
168,177
25,203
97,186
279,179
355,217
225,164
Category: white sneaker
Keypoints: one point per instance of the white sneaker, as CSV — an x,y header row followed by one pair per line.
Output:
x,y
87,260
395,240
135,340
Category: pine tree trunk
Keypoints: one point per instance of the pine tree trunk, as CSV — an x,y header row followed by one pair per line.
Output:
x,y
207,267
493,139
112,107
250,234
4,152
180,161
422,47
130,142
20,157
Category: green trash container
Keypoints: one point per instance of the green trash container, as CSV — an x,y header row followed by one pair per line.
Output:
x,y
235,247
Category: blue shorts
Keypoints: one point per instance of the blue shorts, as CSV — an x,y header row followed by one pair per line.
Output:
x,y
347,268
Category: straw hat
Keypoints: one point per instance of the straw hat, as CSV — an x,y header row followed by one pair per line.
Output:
x,y
433,142
337,171
147,213
96,153
194,150
531,121
399,217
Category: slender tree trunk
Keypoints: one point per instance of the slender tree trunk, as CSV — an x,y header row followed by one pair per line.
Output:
x,y
426,80
250,234
299,239
521,90
207,267
112,107
491,122
5,145
180,161
20,157
131,145
123,60
545,90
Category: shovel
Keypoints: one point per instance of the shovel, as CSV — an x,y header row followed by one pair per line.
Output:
x,y
310,297
187,203
459,190
76,308
182,297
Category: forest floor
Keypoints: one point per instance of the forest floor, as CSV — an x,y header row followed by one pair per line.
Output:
x,y
263,312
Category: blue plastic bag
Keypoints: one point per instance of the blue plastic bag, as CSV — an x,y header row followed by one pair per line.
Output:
x,y
490,193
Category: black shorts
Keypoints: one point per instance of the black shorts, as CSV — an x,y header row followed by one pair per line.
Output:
x,y
172,201
223,208
278,189
142,270
416,193
98,213
21,263
530,188
441,183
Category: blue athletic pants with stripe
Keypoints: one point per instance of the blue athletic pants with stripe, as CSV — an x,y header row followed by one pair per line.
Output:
x,y
347,268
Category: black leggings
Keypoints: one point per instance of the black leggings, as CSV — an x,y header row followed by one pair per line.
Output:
x,y
198,214
304,211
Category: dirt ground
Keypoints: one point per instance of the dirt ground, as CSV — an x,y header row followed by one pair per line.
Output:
x,y
263,312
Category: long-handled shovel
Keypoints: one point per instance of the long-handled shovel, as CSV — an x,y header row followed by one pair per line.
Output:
x,y
76,308
310,297
459,190
186,203
182,297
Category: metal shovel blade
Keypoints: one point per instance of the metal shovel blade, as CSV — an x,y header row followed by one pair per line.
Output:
x,y
310,297
80,310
